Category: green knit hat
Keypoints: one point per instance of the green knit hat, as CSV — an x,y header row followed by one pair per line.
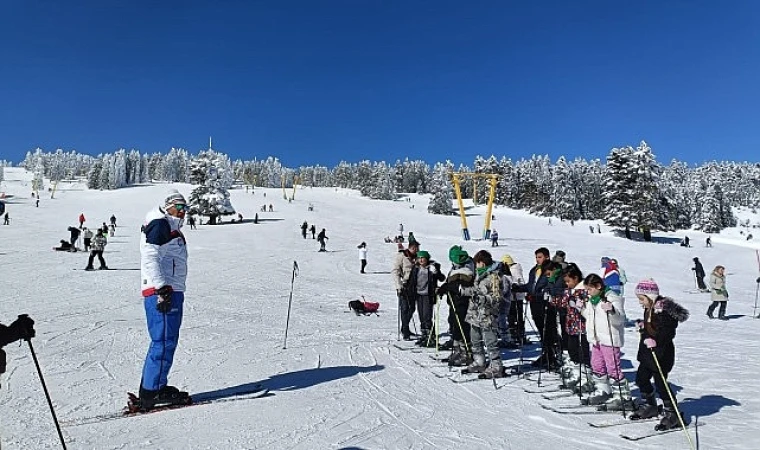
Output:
x,y
457,255
423,254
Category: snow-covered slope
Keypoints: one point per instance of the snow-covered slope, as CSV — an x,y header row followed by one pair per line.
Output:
x,y
340,383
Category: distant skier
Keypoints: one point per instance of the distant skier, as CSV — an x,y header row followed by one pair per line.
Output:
x,y
88,235
591,229
81,220
73,235
401,230
494,238
113,220
6,219
98,246
685,242
719,293
708,242
699,274
304,229
313,231
362,253
191,222
163,266
112,230
322,238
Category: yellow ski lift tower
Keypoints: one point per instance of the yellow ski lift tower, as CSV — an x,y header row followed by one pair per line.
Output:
x,y
493,180
296,180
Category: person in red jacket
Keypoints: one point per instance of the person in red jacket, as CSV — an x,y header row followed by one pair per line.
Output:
x,y
81,220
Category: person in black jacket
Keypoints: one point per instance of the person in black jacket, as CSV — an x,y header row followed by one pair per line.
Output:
x,y
657,353
423,283
699,273
21,328
544,316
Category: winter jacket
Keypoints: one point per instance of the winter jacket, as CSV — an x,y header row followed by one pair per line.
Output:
x,y
718,292
485,298
433,279
98,243
698,269
537,283
573,301
517,278
163,253
611,275
402,269
660,323
362,252
597,326
88,234
463,275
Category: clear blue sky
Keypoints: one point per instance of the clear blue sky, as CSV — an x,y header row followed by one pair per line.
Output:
x,y
321,81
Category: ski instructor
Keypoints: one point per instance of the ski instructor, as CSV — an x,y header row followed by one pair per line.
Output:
x,y
163,267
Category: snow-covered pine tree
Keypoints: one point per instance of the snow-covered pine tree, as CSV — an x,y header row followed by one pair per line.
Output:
x,y
618,191
647,191
443,192
565,191
709,218
383,185
93,177
57,171
38,182
210,201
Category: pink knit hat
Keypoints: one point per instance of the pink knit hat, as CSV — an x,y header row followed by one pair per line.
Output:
x,y
648,288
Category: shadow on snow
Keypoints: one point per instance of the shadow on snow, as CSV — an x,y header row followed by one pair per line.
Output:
x,y
291,381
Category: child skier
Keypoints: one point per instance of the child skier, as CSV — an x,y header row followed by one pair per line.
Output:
x,y
605,319
576,373
656,353
483,314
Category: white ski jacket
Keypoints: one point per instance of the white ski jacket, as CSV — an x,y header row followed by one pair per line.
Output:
x,y
163,253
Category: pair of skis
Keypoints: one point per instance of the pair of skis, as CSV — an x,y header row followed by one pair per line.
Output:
x,y
132,409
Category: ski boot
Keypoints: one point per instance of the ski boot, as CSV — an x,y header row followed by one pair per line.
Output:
x,y
586,383
648,409
621,397
495,369
602,391
671,419
478,364
166,396
571,376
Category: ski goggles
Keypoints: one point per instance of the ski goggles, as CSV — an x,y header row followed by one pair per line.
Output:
x,y
180,207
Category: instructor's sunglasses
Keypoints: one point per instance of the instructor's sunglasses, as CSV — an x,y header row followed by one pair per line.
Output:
x,y
180,207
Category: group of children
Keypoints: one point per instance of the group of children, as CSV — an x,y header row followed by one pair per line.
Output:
x,y
580,321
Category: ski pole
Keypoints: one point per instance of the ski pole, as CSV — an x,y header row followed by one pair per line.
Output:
x,y
672,399
617,364
543,349
47,394
290,302
461,330
561,351
398,338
